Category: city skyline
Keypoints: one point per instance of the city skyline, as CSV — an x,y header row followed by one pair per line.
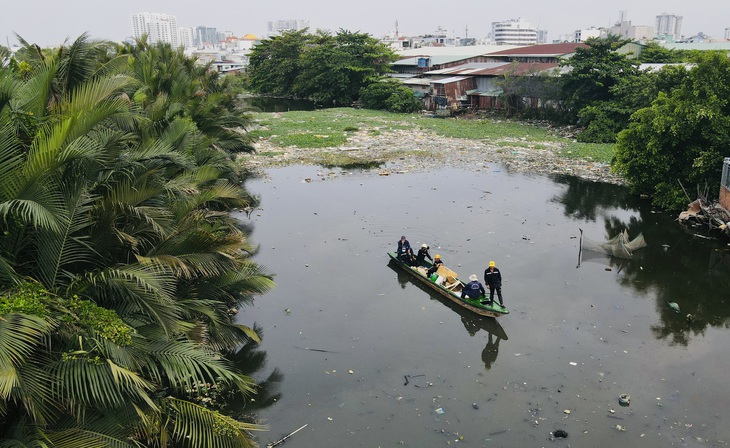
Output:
x,y
67,19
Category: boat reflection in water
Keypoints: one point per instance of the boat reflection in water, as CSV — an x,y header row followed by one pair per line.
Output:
x,y
472,322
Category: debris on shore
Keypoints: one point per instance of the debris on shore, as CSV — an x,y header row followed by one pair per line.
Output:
x,y
713,216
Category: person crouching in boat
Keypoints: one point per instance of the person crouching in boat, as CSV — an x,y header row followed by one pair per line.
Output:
x,y
405,253
422,255
436,263
474,289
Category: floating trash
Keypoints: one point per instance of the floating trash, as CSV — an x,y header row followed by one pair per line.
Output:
x,y
439,411
624,399
560,434
674,306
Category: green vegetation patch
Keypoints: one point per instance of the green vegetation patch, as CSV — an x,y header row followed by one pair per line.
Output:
x,y
104,322
310,140
599,152
331,127
324,128
27,298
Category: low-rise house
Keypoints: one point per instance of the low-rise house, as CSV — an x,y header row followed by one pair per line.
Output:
x,y
451,92
419,60
488,78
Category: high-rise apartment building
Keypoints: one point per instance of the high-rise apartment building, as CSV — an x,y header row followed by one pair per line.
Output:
x,y
514,32
158,27
277,26
669,25
186,37
206,35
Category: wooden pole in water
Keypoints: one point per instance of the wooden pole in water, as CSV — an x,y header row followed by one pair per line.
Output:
x,y
280,441
580,247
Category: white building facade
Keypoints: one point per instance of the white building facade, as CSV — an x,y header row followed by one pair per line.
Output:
x,y
277,26
514,32
669,25
158,27
186,37
584,35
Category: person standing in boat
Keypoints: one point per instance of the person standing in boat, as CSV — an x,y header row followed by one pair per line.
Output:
x,y
422,255
493,279
474,289
405,253
434,267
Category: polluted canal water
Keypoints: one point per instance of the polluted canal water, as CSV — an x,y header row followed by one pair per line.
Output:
x,y
365,356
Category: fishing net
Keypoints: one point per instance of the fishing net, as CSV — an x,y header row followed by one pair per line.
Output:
x,y
619,246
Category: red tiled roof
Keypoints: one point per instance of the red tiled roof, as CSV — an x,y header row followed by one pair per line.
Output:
x,y
541,49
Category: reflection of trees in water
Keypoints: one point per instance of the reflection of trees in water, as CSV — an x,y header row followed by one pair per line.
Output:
x,y
250,359
583,199
677,266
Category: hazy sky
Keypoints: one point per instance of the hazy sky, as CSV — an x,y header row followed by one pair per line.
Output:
x,y
50,22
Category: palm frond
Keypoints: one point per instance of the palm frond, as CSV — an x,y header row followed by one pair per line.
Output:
x,y
21,335
204,428
183,361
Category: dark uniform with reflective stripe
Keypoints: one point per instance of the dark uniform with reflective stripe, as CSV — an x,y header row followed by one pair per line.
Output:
x,y
473,290
493,279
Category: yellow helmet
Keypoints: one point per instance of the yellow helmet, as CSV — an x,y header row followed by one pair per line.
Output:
x,y
491,263
437,256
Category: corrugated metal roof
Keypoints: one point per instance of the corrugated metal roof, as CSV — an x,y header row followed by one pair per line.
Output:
x,y
464,68
496,69
657,66
541,50
464,52
698,46
416,82
449,80
435,60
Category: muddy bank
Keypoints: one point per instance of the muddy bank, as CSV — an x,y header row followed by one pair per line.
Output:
x,y
418,150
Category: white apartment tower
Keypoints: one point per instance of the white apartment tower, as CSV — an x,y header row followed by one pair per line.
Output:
x,y
277,26
158,27
186,37
514,32
669,25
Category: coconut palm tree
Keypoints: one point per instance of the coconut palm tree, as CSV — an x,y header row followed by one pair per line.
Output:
x,y
118,260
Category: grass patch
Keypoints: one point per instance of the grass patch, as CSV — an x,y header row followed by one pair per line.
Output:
x,y
599,152
306,129
519,144
310,140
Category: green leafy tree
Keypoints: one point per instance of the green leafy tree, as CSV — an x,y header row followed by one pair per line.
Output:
x,y
681,138
520,88
327,68
653,52
276,62
390,95
336,67
594,72
607,118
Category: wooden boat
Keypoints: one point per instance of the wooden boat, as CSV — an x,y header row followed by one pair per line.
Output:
x,y
448,284
472,322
